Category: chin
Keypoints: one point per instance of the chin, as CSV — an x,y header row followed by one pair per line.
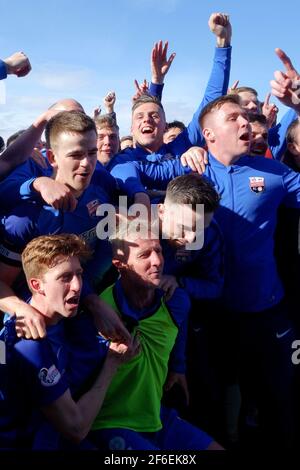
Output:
x,y
72,313
155,282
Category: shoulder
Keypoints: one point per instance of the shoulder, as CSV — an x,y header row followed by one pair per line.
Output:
x,y
129,154
20,225
267,165
179,305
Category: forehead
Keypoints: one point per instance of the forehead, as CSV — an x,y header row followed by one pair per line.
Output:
x,y
226,110
148,108
247,96
107,130
258,127
70,139
64,264
144,244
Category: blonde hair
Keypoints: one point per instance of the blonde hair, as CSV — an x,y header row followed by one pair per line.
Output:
x,y
45,252
127,231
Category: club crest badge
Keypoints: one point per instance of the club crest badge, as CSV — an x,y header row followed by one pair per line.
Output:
x,y
92,207
257,184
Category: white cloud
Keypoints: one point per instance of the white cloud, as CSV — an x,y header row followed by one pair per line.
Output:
x,y
59,77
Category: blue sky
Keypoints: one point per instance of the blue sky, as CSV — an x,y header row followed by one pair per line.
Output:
x,y
83,49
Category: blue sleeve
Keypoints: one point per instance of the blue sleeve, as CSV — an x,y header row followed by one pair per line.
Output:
x,y
112,115
276,135
291,183
156,90
179,306
207,280
217,86
45,382
133,177
3,71
17,229
18,183
103,178
128,178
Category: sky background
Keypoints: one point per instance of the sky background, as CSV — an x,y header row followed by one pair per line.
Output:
x,y
83,49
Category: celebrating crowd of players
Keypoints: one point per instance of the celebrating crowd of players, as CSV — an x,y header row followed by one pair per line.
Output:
x,y
150,338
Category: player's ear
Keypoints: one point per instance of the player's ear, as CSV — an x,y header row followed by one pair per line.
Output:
x,y
51,158
161,210
36,286
208,134
118,262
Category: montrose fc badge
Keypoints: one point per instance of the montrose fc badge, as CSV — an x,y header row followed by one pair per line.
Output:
x,y
257,184
92,207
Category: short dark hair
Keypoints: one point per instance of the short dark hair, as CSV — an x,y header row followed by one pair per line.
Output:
x,y
256,117
146,99
217,104
179,124
126,137
68,121
193,189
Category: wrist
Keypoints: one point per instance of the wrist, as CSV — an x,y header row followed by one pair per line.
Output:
x,y
37,184
223,42
42,120
157,81
9,68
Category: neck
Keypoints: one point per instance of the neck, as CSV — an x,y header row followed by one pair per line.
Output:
x,y
39,304
152,149
226,160
140,297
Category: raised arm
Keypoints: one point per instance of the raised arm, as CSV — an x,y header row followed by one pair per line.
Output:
x,y
20,150
286,87
160,65
217,85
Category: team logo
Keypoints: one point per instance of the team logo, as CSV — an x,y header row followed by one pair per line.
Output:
x,y
49,377
257,184
92,207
